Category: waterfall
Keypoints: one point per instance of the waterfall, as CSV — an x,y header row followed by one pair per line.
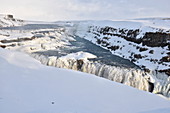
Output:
x,y
131,77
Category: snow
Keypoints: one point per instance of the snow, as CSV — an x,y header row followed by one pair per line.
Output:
x,y
79,56
163,23
41,42
25,89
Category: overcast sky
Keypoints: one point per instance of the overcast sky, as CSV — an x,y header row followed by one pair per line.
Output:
x,y
52,10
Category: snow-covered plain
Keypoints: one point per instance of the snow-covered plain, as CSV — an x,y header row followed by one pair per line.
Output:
x,y
27,86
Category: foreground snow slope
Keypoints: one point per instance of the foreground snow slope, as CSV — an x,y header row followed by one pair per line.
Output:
x,y
29,87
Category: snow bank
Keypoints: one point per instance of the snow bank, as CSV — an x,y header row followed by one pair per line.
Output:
x,y
52,90
79,56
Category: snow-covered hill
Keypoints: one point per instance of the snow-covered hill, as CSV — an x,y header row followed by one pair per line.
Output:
x,y
9,20
146,42
30,87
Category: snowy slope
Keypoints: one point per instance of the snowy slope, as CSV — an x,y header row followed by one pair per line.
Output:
x,y
29,87
8,21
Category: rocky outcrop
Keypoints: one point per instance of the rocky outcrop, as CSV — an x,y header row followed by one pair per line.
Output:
x,y
156,39
151,39
104,37
9,20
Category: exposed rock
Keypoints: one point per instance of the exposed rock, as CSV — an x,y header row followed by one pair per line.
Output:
x,y
17,40
3,46
156,39
114,48
79,64
138,56
143,49
167,71
165,59
151,51
9,17
107,38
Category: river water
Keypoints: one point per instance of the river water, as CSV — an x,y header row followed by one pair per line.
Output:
x,y
103,56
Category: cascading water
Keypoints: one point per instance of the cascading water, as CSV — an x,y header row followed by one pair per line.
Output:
x,y
131,77
128,76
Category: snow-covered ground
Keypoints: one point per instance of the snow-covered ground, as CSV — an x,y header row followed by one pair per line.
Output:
x,y
79,55
27,86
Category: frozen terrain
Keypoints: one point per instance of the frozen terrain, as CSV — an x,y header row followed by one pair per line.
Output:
x,y
27,86
52,44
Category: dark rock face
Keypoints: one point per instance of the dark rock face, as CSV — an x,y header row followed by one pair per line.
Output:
x,y
79,64
3,46
151,51
143,49
9,16
165,59
138,56
151,87
114,48
167,71
156,39
17,40
149,39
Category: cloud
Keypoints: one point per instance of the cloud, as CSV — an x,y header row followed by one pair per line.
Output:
x,y
52,10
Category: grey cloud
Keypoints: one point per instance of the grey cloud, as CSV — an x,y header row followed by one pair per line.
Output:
x,y
51,10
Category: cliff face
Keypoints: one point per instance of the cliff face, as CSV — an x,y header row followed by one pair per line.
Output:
x,y
9,20
156,39
150,39
147,47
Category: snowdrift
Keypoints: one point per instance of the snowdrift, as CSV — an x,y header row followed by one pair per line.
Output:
x,y
27,86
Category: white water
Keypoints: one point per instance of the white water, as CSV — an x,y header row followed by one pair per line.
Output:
x,y
132,77
128,76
